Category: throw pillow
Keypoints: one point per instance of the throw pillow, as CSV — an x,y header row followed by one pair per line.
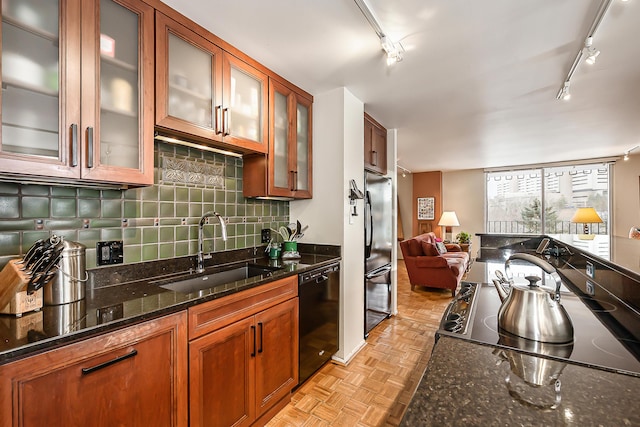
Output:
x,y
442,249
429,249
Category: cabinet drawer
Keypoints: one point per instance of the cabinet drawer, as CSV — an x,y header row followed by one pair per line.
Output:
x,y
94,382
216,314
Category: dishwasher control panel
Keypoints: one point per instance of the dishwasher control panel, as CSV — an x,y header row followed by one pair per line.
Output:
x,y
317,273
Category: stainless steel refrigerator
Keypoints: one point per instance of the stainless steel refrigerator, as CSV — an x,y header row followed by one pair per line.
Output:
x,y
378,242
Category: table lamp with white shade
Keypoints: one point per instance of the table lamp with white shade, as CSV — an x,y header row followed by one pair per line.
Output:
x,y
448,220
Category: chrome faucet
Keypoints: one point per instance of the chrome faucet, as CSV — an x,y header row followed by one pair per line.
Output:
x,y
223,224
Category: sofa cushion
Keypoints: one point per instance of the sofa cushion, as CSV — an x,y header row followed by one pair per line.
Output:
x,y
429,249
415,247
442,249
431,262
456,265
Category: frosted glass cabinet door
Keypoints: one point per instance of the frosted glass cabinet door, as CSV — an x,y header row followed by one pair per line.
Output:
x,y
245,109
119,93
302,147
190,82
30,78
280,150
245,106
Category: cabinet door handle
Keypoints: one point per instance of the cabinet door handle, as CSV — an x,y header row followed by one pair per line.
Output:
x,y
86,371
261,327
218,123
74,145
226,126
295,181
90,147
253,330
374,158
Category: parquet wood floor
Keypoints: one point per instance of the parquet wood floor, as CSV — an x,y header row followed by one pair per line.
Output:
x,y
376,386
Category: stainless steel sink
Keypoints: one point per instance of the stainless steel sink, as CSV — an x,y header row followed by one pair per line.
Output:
x,y
207,281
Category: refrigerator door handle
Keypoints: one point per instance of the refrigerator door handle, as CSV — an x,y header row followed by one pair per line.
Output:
x,y
367,245
378,272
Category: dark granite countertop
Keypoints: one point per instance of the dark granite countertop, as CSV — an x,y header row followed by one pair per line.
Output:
x,y
619,253
122,296
465,384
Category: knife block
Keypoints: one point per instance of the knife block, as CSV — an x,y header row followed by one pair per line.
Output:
x,y
22,303
14,282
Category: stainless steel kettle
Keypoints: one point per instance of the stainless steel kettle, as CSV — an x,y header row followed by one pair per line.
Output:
x,y
529,311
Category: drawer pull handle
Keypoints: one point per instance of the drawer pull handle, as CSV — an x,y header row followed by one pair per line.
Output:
x,y
86,371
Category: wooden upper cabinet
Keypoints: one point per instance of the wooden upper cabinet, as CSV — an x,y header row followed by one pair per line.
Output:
x,y
77,99
207,93
287,170
375,146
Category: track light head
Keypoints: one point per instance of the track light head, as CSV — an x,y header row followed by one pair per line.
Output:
x,y
394,50
591,52
626,153
591,58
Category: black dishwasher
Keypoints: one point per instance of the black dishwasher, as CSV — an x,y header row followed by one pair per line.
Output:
x,y
319,303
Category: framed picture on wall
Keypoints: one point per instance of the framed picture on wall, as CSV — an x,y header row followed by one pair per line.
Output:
x,y
426,208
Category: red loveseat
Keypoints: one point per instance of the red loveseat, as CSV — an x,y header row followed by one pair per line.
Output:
x,y
426,266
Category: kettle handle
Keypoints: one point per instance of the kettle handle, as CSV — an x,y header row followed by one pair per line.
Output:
x,y
544,265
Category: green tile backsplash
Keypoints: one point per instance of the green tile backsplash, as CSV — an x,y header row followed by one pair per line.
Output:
x,y
156,222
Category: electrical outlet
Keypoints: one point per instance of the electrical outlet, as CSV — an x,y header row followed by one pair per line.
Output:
x,y
109,252
591,288
266,235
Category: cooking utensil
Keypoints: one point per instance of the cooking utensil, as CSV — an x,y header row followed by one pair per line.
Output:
x,y
531,312
285,232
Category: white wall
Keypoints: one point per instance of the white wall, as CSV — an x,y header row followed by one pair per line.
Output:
x,y
463,192
626,195
392,155
338,156
405,203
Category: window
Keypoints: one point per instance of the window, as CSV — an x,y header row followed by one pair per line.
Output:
x,y
543,200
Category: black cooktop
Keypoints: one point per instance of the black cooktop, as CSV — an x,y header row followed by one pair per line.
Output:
x,y
598,342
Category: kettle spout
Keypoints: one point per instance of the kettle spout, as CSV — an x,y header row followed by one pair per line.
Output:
x,y
501,291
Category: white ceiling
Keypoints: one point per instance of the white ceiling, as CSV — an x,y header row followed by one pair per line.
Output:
x,y
478,83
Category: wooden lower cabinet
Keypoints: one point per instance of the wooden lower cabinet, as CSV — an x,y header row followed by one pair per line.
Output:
x,y
134,376
242,370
